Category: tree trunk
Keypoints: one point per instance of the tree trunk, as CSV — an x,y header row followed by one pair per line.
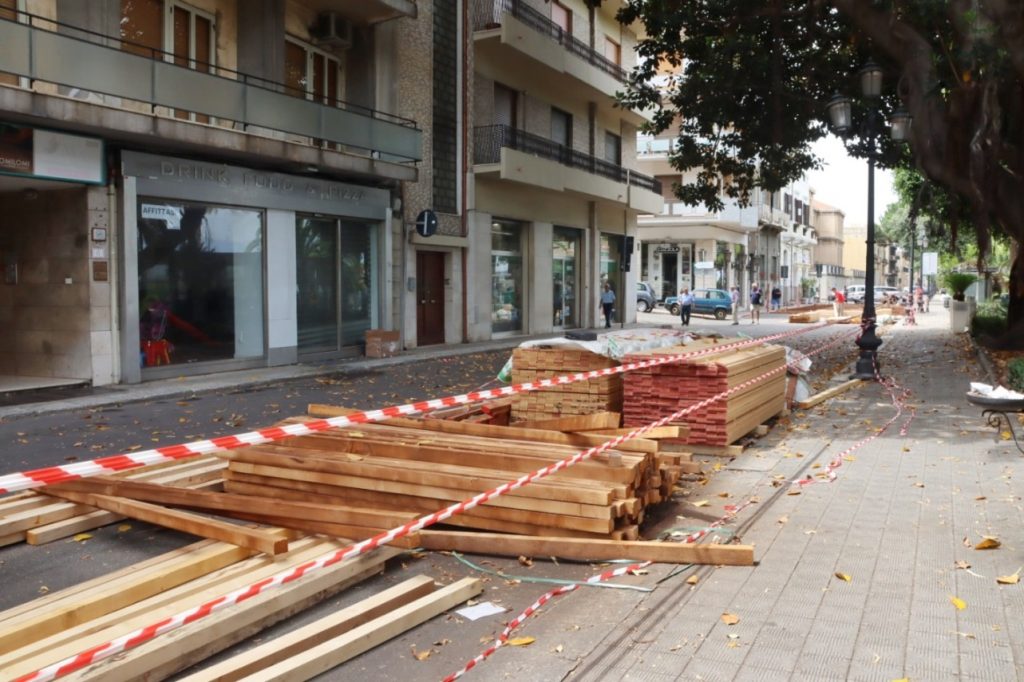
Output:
x,y
1015,288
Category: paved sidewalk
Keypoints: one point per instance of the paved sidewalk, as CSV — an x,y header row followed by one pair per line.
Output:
x,y
902,513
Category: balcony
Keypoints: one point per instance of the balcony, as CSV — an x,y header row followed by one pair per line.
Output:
x,y
365,11
148,97
513,39
523,157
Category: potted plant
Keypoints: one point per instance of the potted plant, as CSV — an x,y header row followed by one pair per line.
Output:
x,y
959,308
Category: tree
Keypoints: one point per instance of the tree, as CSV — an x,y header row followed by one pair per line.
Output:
x,y
749,82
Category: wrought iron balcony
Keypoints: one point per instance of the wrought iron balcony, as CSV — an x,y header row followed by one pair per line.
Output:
x,y
489,140
43,50
487,14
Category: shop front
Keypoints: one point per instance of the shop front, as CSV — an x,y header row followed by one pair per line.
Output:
x,y
228,268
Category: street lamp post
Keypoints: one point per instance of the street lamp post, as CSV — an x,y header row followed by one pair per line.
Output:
x,y
840,111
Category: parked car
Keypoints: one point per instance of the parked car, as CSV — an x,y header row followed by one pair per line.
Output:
x,y
645,298
705,302
854,293
883,293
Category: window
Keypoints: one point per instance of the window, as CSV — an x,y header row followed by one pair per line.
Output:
x,y
612,51
8,11
613,148
200,282
507,293
561,16
446,106
561,127
311,73
506,103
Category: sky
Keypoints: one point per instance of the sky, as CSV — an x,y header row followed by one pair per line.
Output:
x,y
843,183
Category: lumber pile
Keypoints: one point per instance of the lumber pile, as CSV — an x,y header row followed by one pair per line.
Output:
x,y
655,392
601,394
805,317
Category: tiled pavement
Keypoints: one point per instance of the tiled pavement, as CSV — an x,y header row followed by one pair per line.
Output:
x,y
902,513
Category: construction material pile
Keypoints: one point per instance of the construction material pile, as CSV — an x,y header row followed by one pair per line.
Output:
x,y
414,466
601,394
652,393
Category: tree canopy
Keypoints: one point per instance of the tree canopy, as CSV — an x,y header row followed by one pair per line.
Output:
x,y
747,84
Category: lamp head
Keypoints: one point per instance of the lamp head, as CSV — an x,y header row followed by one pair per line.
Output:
x,y
871,79
840,113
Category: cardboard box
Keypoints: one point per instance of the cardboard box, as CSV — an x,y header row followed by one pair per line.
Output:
x,y
381,343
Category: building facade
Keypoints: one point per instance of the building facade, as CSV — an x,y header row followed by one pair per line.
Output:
x,y
829,270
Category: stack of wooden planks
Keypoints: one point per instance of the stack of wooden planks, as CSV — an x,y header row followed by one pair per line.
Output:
x,y
655,392
602,394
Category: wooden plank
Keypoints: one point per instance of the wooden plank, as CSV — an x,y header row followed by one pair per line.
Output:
x,y
259,540
227,503
497,544
297,641
337,650
82,603
582,422
675,431
336,530
185,646
830,393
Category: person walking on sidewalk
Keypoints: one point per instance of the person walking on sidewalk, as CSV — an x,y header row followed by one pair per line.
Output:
x,y
607,304
756,302
838,301
685,306
776,298
734,296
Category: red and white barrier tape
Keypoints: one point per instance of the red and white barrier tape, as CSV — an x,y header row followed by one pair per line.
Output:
x,y
105,465
145,634
503,638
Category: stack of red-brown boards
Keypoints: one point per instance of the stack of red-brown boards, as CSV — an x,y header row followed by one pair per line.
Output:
x,y
652,393
601,394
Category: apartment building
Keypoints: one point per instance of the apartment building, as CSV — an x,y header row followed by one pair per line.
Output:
x,y
829,270
192,187
783,245
553,189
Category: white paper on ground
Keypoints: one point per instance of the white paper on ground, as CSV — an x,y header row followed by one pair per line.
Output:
x,y
998,392
481,610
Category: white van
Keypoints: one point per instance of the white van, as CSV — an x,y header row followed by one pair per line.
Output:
x,y
855,293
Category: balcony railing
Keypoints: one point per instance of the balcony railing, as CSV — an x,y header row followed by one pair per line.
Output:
x,y
489,140
488,13
48,51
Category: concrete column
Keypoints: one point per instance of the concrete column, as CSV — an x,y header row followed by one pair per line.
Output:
x,y
541,292
282,314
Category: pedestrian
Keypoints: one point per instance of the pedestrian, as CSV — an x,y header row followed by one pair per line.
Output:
x,y
734,296
756,301
776,298
838,301
607,304
685,306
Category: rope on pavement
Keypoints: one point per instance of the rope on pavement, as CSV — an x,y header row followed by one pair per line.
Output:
x,y
191,615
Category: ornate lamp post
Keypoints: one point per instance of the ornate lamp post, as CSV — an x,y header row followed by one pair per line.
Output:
x,y
840,111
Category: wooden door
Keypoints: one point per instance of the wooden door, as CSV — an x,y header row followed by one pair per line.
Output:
x,y
429,298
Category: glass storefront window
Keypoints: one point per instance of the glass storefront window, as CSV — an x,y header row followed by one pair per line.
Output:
x,y
200,283
507,293
336,280
565,251
611,270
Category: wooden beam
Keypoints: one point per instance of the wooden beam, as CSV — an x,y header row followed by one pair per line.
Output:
x,y
655,433
259,540
337,650
297,641
830,393
582,422
577,548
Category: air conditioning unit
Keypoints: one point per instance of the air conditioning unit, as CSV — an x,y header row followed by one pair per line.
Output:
x,y
331,30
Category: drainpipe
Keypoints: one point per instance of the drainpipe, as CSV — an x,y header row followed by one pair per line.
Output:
x,y
113,256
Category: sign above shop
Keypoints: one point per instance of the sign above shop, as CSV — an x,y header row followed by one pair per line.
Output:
x,y
51,155
704,265
666,248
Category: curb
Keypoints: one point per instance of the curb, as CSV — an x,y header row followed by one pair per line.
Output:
x,y
983,360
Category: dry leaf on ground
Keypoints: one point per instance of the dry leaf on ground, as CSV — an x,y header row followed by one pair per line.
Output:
x,y
959,603
730,618
522,641
988,542
844,577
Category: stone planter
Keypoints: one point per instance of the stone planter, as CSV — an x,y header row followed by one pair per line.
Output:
x,y
959,316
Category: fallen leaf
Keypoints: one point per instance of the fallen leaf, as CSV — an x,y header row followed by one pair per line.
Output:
x,y
124,528
723,494
793,492
730,618
700,503
526,561
522,641
421,655
919,485
988,542
783,520
558,649
980,497
43,589
844,577
1011,579
959,603
962,564
849,458
82,537
692,580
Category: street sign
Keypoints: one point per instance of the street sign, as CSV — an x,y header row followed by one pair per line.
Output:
x,y
929,263
426,223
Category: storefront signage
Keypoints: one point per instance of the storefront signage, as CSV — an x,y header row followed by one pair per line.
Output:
x,y
51,155
171,215
705,265
199,180
664,248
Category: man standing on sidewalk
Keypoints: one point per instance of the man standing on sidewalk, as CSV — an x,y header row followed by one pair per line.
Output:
x,y
838,300
756,301
607,304
685,306
734,296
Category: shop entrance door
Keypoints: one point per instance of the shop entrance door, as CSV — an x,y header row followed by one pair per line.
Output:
x,y
669,275
429,298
